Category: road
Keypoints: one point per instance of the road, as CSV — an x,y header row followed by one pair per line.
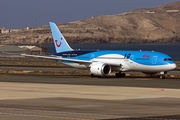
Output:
x,y
44,97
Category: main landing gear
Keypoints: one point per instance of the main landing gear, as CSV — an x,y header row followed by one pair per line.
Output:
x,y
92,75
119,74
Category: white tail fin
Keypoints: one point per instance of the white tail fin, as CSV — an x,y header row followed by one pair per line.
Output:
x,y
60,42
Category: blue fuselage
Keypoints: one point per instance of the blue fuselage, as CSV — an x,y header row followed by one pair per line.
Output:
x,y
149,58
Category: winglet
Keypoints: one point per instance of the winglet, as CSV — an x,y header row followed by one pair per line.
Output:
x,y
60,42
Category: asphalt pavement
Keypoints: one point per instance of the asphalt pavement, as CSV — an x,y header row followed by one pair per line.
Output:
x,y
80,97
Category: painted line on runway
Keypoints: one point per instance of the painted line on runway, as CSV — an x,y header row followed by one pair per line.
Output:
x,y
56,114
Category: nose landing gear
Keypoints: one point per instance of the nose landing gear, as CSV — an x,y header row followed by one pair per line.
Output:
x,y
162,75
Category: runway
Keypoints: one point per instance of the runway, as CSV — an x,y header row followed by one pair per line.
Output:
x,y
172,83
44,97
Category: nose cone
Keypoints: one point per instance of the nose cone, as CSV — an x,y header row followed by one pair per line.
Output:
x,y
172,66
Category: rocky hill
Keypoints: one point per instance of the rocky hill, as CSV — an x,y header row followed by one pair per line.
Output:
x,y
154,25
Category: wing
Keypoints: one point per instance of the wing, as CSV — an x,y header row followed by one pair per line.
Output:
x,y
82,62
59,58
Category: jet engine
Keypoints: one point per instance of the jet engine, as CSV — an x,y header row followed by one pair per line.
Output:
x,y
100,69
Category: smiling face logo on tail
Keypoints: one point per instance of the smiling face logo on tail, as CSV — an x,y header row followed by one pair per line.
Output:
x,y
60,42
58,45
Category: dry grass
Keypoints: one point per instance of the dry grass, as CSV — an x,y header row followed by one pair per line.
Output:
x,y
29,62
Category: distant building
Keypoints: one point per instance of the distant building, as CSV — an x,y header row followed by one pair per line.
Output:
x,y
172,11
31,49
151,12
4,30
14,30
11,51
16,51
27,28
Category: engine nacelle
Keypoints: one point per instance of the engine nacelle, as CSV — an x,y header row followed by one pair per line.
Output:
x,y
100,69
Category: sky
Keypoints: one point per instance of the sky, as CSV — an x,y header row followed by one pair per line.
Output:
x,y
36,13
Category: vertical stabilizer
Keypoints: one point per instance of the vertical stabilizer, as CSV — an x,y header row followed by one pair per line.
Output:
x,y
60,42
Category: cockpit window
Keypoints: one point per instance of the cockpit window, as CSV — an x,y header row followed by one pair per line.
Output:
x,y
168,59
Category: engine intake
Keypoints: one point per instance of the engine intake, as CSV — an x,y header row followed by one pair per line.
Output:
x,y
100,69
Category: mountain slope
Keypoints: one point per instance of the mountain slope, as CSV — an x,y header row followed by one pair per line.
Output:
x,y
155,25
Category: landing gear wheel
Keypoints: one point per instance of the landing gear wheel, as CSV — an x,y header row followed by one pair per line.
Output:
x,y
117,75
120,75
92,75
123,75
162,77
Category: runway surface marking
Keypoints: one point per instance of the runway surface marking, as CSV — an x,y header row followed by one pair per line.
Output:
x,y
55,114
34,90
44,114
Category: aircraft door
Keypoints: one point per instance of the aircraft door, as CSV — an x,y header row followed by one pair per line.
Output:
x,y
132,63
91,57
154,59
132,57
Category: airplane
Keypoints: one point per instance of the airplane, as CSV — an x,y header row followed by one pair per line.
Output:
x,y
102,63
